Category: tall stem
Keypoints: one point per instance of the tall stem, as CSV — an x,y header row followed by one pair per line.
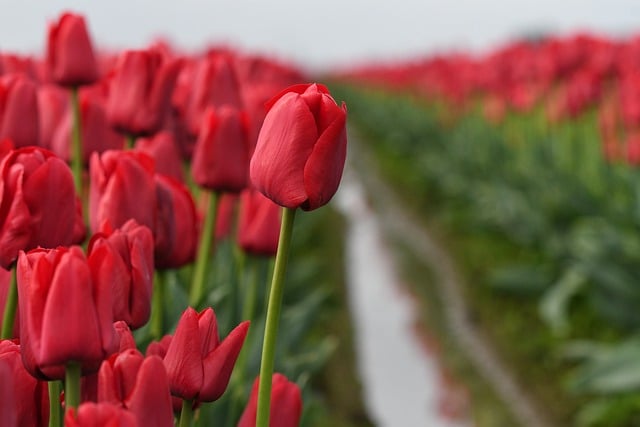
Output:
x,y
273,317
55,411
10,308
76,143
204,249
157,304
186,415
72,385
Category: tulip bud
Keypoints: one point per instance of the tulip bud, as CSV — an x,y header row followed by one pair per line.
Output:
x,y
65,316
30,397
176,232
301,149
258,224
122,188
198,364
221,154
140,93
70,58
286,404
18,106
123,259
37,203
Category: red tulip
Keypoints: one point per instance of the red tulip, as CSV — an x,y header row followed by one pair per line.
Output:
x,y
198,364
221,154
225,218
70,58
123,259
19,106
8,398
64,315
301,149
140,93
176,232
140,385
31,402
122,188
37,203
165,152
258,224
286,404
91,414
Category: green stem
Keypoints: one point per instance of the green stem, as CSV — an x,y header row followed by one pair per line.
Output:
x,y
204,249
186,416
273,317
76,143
55,411
129,141
157,305
10,308
72,385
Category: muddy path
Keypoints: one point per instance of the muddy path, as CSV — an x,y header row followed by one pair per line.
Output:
x,y
399,224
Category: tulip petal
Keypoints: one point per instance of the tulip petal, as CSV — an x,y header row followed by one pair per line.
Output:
x,y
150,399
184,358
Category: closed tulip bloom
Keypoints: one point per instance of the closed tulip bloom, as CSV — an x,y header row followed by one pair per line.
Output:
x,y
64,315
301,149
31,401
123,259
176,232
258,224
221,154
70,57
198,364
37,203
165,152
122,188
138,384
91,414
286,404
19,115
140,94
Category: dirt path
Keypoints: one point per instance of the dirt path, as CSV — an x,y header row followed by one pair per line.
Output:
x,y
403,225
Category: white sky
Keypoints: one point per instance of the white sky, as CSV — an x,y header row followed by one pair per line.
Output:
x,y
317,34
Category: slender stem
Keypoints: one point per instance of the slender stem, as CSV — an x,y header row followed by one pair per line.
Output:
x,y
72,385
76,143
206,242
157,304
129,141
186,416
55,411
10,308
273,317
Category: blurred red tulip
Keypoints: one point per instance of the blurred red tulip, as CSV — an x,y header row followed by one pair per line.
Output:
x,y
19,105
286,404
70,57
301,150
164,150
176,232
140,94
55,290
221,154
258,224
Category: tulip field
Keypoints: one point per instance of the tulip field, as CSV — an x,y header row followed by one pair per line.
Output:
x,y
525,162
169,255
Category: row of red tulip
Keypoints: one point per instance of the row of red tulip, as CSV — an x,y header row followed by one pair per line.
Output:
x,y
205,110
